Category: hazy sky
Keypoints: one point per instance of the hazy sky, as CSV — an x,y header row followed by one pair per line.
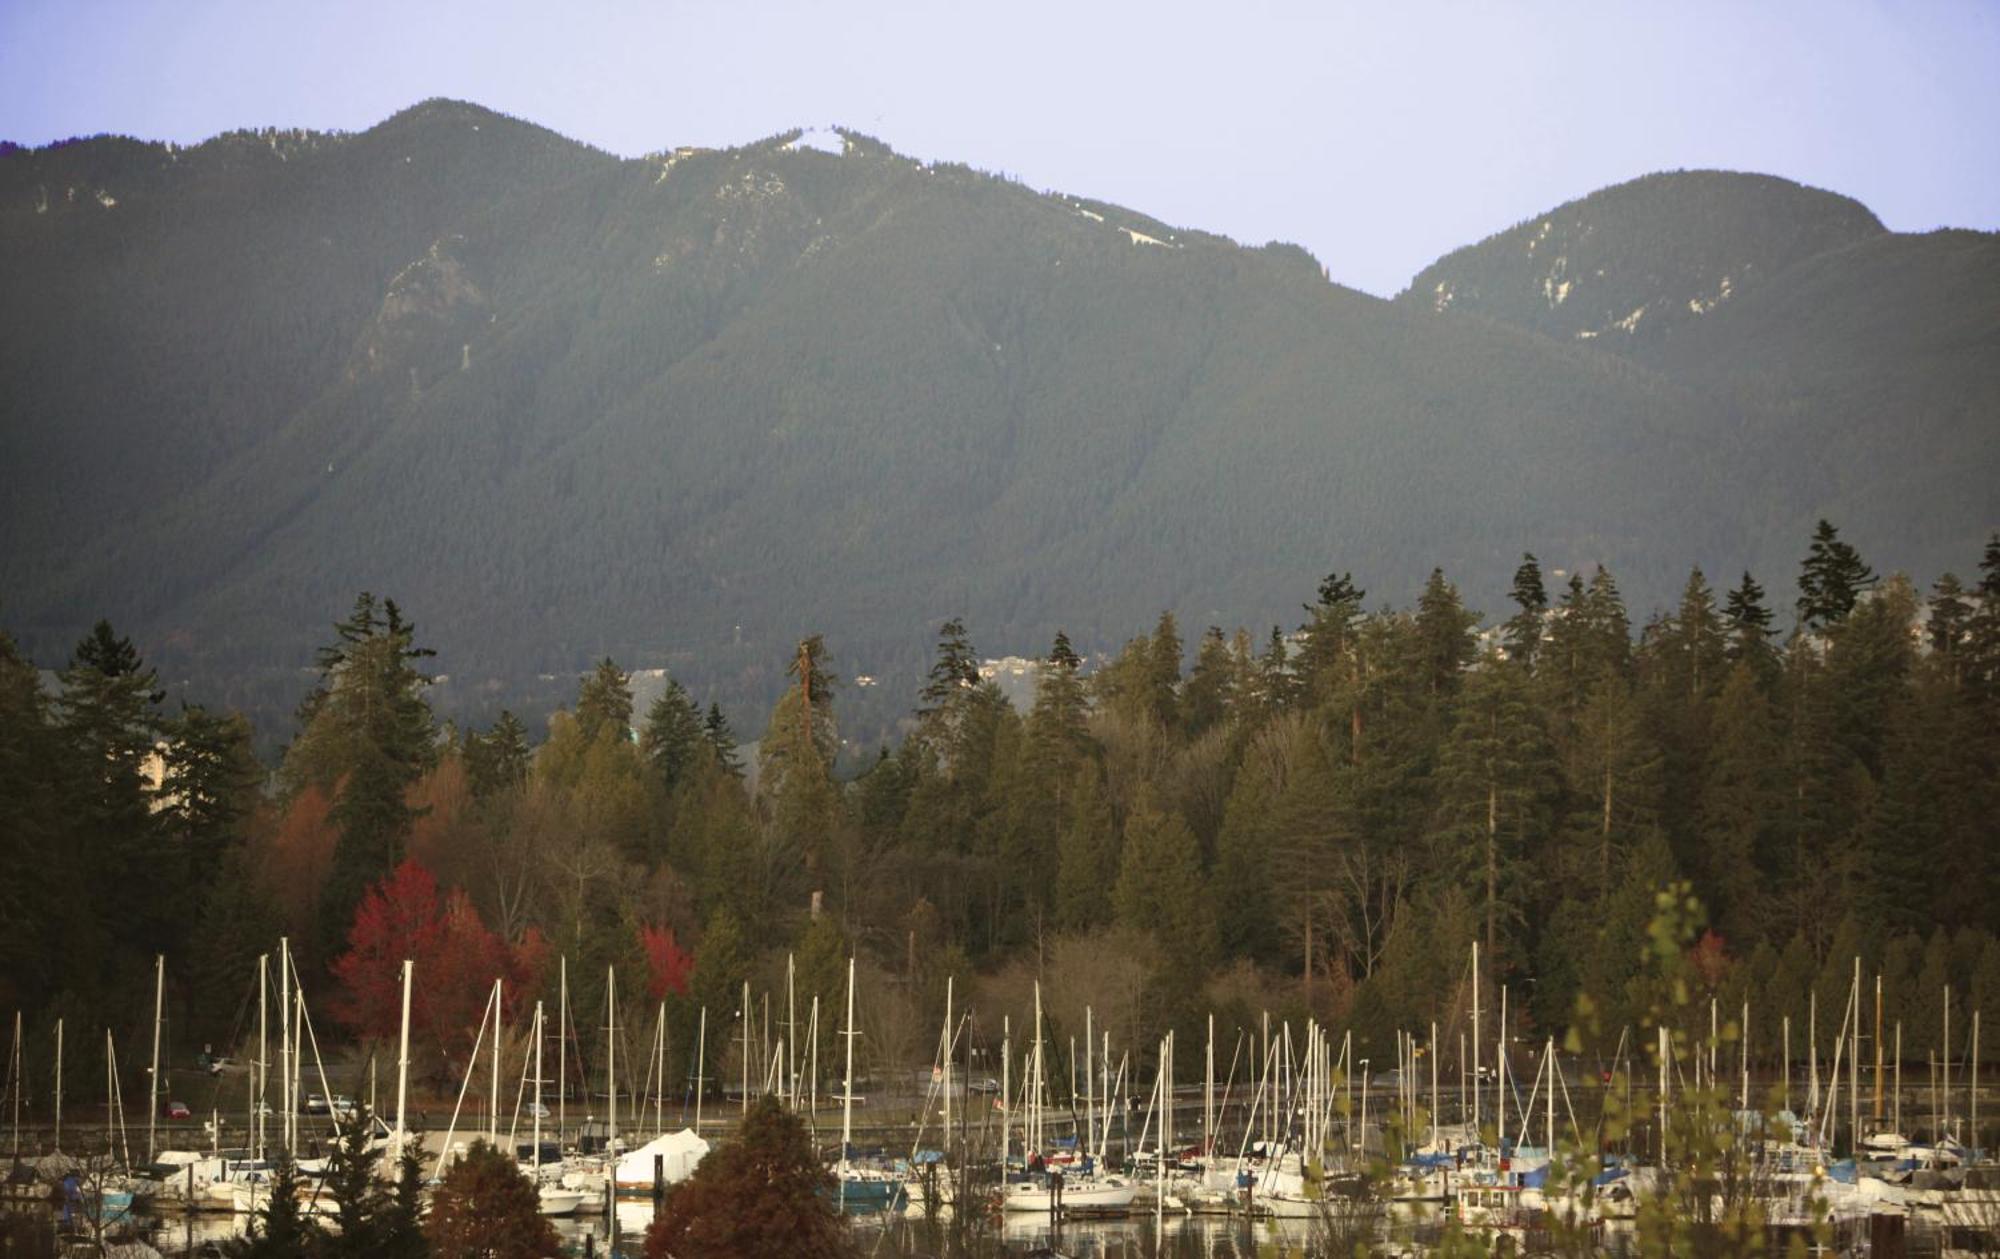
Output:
x,y
1378,135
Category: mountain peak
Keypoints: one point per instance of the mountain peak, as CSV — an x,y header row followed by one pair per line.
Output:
x,y
1628,264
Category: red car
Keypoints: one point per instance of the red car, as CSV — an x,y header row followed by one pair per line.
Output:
x,y
176,1110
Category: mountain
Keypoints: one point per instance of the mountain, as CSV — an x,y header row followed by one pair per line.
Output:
x,y
1636,264
685,408
1867,361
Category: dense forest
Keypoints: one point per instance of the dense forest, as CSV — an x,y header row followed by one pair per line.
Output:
x,y
682,409
1317,817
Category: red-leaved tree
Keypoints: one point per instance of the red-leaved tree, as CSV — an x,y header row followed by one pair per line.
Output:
x,y
397,918
457,959
667,967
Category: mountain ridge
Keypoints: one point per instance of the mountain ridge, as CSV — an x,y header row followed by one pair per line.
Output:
x,y
684,408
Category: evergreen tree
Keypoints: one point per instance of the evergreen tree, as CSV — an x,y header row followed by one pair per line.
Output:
x,y
1210,687
955,671
1524,628
1278,680
486,1208
278,1230
1240,882
1696,647
604,702
1494,770
722,741
1444,632
360,1207
1741,798
1324,663
673,742
367,737
1748,624
401,1234
1087,861
1982,647
1163,674
763,1195
1614,777
108,726
1830,580
498,760
1159,885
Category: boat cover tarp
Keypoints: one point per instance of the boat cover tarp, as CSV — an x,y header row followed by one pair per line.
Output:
x,y
680,1153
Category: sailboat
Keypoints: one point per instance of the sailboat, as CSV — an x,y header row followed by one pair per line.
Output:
x,y
860,1187
1079,1191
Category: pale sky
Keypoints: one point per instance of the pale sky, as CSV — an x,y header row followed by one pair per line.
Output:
x,y
1379,136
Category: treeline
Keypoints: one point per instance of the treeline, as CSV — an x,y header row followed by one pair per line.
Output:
x,y
1322,819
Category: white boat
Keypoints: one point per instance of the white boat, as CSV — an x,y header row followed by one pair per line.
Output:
x,y
678,1154
1077,1195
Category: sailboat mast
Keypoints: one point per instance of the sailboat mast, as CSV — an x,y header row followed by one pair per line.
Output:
x,y
285,1038
948,979
1090,1081
611,1069
847,1092
403,1062
263,1050
1744,1102
1877,1108
59,1066
1208,1093
700,1068
1475,1037
562,1045
536,1109
15,1070
153,1086
493,1102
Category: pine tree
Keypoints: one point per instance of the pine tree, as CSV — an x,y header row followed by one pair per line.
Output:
x,y
722,741
1830,580
1494,771
1982,648
1278,679
1742,796
763,1195
368,736
1163,674
1444,632
498,760
401,1235
278,1230
1240,882
1614,772
1748,624
673,741
1087,860
487,1208
1209,696
1524,628
604,702
1159,885
209,784
360,1205
108,725
955,671
1324,663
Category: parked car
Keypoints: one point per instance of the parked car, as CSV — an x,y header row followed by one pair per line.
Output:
x,y
315,1104
986,1084
537,1111
176,1110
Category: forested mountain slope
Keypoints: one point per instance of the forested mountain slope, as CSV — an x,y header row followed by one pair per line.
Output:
x,y
683,409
